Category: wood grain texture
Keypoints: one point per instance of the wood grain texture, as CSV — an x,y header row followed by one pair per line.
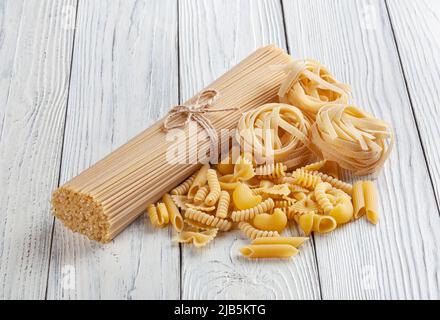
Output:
x,y
124,77
400,257
214,36
35,55
416,28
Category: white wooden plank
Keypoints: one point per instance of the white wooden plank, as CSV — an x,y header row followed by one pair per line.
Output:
x,y
214,36
35,54
124,77
400,257
416,26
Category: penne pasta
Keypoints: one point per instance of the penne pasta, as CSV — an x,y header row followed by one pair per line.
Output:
x,y
371,207
293,241
269,251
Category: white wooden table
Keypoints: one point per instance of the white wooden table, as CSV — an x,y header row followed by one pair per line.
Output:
x,y
80,77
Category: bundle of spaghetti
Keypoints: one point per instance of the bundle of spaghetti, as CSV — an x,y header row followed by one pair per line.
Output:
x,y
276,132
310,86
107,197
354,139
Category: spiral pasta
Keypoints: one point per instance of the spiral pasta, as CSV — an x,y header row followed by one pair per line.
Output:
x,y
273,170
214,188
249,214
310,86
322,198
354,139
254,233
336,183
201,194
199,216
183,187
276,132
306,179
223,205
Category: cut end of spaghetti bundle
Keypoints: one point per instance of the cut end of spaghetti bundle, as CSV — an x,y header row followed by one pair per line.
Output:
x,y
81,213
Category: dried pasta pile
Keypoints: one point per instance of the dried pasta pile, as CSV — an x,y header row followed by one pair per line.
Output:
x,y
260,200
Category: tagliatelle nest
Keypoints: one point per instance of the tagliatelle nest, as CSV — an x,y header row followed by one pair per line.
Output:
x,y
354,139
276,132
310,86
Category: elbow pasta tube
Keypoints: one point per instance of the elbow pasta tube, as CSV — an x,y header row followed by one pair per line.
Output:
x,y
223,205
183,188
249,214
269,251
276,221
201,194
272,170
253,233
214,188
174,213
162,212
244,198
209,220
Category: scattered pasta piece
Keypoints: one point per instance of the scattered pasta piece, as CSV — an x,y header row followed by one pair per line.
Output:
x,y
269,251
184,187
198,239
223,205
201,194
244,198
276,221
210,220
358,199
273,171
249,214
199,181
214,187
293,241
253,233
306,179
155,219
370,196
200,207
174,213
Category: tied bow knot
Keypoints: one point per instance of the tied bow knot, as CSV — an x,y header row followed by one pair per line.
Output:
x,y
196,112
